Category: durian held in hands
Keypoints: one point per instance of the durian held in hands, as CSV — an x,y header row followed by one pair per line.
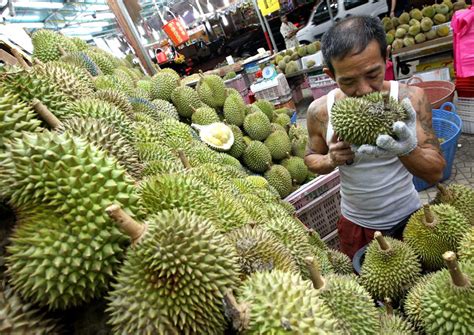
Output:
x,y
361,120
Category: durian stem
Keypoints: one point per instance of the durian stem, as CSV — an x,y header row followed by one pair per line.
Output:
x,y
388,306
45,114
381,241
125,222
36,61
314,273
193,109
442,189
20,59
459,279
184,160
61,51
429,218
238,313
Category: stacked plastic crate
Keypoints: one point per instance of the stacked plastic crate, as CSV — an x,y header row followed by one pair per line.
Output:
x,y
240,85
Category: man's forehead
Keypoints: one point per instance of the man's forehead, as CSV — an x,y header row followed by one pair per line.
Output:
x,y
363,70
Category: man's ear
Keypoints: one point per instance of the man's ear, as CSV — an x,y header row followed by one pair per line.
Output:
x,y
329,73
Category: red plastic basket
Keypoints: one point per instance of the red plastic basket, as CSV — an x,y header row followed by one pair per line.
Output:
x,y
437,91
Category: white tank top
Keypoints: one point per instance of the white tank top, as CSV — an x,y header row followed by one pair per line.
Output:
x,y
376,193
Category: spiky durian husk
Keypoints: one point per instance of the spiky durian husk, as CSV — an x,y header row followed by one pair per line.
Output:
x,y
297,169
341,263
15,117
80,44
154,151
460,197
430,242
165,166
105,65
116,98
255,208
226,171
316,241
171,72
105,137
212,179
389,273
29,86
257,157
125,77
64,249
185,98
246,187
447,308
266,107
145,87
466,246
412,303
166,107
297,132
361,120
174,130
98,109
298,146
69,78
257,181
293,235
169,288
204,116
163,85
351,304
81,60
257,126
234,110
395,325
279,177
20,318
267,295
225,159
212,90
144,106
46,45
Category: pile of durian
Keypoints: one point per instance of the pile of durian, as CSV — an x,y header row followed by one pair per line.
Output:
x,y
286,61
419,26
125,222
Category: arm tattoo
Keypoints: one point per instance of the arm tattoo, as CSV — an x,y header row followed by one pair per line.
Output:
x,y
426,124
320,123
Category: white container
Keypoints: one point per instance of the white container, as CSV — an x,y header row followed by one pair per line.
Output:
x,y
271,89
317,58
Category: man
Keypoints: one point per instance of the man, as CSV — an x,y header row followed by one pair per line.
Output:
x,y
376,181
288,31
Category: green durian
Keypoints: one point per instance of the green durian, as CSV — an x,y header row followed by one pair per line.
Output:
x,y
412,302
466,246
266,107
404,18
428,11
163,86
279,178
211,90
341,263
257,157
257,126
104,63
47,45
234,110
238,147
81,60
116,98
426,24
230,75
297,169
185,98
204,115
279,145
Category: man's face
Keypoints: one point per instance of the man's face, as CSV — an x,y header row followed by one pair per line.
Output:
x,y
362,73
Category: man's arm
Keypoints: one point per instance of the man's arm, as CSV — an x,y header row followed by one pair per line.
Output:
x,y
321,158
426,160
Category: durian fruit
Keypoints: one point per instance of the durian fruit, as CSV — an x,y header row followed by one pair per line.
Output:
x,y
459,196
18,317
98,109
257,157
433,230
257,126
277,127
297,169
291,67
361,120
264,306
47,44
230,75
282,65
279,145
390,268
71,80
64,249
301,51
395,22
163,85
31,86
315,240
387,24
266,107
231,91
414,29
344,296
393,324
408,41
234,110
400,32
412,303
104,63
466,246
257,181
15,117
404,18
238,147
260,251
116,98
143,106
185,98
459,5
447,302
211,90
390,38
439,19
428,11
341,263
105,137
280,179
81,60
166,107
80,44
420,38
426,24
146,85
442,31
283,120
169,288
416,14
298,146
431,34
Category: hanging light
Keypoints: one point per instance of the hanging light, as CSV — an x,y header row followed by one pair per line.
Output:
x,y
210,7
224,20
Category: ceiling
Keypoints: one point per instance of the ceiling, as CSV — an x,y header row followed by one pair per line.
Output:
x,y
87,18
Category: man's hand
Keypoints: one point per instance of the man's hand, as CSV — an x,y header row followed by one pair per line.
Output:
x,y
388,146
340,152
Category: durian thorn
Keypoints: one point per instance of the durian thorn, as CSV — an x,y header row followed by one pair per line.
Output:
x,y
20,59
459,279
314,273
429,217
45,114
388,305
381,241
128,225
36,61
62,51
238,313
193,109
184,160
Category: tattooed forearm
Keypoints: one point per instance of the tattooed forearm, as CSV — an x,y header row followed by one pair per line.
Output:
x,y
426,124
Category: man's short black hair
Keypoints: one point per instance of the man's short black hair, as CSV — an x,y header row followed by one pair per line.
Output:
x,y
352,35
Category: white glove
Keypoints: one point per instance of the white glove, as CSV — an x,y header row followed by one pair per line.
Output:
x,y
387,146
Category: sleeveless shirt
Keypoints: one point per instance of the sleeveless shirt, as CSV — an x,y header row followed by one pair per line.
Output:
x,y
376,193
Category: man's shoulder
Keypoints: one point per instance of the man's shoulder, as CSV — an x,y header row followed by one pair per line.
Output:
x,y
318,109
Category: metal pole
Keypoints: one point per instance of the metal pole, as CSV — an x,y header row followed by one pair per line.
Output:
x,y
328,3
270,33
264,27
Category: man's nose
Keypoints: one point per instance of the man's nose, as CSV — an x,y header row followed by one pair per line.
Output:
x,y
363,88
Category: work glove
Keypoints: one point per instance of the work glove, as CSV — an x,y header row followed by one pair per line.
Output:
x,y
387,146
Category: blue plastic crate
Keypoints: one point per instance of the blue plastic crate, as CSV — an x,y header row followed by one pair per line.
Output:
x,y
450,132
